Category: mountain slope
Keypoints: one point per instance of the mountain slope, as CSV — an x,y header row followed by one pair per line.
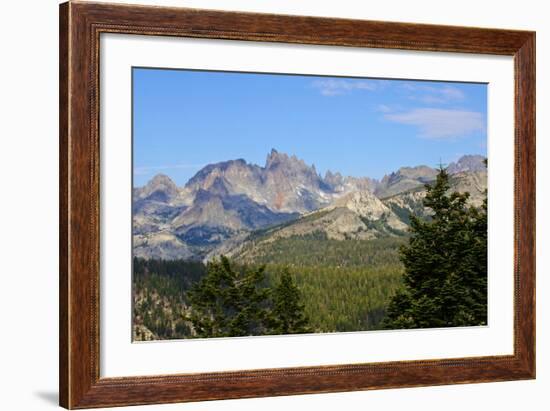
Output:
x,y
224,202
285,184
408,178
357,216
167,227
410,202
213,217
404,179
468,163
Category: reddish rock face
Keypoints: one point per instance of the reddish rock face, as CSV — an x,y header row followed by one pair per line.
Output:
x,y
226,201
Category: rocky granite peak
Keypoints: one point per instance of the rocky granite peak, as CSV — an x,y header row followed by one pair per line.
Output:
x,y
363,203
160,188
276,159
405,178
472,163
285,184
333,179
226,201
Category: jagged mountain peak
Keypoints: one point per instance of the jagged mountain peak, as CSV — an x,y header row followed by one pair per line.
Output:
x,y
215,169
330,175
405,178
226,200
159,188
285,184
334,180
421,172
161,181
275,159
470,162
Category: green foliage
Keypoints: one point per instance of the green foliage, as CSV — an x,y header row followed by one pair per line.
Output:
x,y
287,315
159,297
316,250
381,226
345,285
340,299
230,302
183,273
445,280
435,276
404,212
184,299
263,233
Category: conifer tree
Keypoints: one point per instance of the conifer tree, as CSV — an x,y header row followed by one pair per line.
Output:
x,y
229,302
445,280
287,315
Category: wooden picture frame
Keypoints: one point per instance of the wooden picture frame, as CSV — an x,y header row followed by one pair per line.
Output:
x,y
80,27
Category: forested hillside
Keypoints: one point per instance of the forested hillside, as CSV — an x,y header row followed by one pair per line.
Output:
x,y
344,285
160,297
348,267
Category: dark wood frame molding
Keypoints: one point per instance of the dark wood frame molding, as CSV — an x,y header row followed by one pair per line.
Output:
x,y
81,24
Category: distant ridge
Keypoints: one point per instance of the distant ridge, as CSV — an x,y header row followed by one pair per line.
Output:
x,y
225,201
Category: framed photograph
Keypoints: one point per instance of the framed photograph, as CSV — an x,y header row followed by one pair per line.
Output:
x,y
258,205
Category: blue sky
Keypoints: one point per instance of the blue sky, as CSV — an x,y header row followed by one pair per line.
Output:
x,y
184,120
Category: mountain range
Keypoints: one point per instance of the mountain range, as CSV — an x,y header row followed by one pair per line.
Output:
x,y
226,204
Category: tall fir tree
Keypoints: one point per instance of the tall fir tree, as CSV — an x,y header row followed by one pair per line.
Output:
x,y
229,302
445,279
287,315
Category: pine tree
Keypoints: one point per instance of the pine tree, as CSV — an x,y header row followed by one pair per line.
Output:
x,y
287,315
229,302
445,280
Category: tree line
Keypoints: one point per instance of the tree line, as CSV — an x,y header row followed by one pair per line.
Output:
x,y
233,301
434,277
185,299
445,264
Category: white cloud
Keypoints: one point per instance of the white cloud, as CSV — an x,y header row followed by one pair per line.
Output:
x,y
440,123
434,94
335,87
452,93
145,170
383,108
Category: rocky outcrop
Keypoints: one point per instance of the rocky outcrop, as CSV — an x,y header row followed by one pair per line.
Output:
x,y
285,184
408,178
356,216
404,179
411,201
161,244
468,163
224,202
161,188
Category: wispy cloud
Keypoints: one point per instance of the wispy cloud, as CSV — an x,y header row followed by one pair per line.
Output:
x,y
146,170
434,94
383,108
335,87
440,123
